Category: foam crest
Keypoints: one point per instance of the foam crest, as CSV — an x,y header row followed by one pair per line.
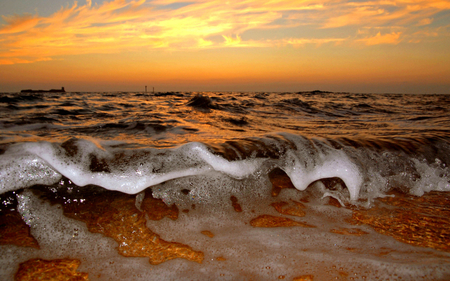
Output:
x,y
367,172
85,162
236,169
94,165
337,164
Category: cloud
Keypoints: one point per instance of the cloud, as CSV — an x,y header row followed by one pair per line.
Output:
x,y
18,60
425,21
230,41
382,12
297,42
16,23
125,25
391,38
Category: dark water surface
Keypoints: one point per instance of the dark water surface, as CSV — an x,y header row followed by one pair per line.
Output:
x,y
170,119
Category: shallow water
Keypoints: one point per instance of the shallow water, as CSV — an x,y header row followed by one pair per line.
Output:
x,y
230,186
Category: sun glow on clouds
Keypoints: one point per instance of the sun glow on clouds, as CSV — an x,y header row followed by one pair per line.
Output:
x,y
126,25
391,38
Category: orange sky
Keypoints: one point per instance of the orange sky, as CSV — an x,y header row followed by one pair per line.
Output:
x,y
123,45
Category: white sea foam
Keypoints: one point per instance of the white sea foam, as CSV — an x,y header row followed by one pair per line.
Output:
x,y
86,162
19,169
332,165
57,234
261,253
188,160
434,177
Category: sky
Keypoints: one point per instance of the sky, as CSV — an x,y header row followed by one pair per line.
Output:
x,y
380,46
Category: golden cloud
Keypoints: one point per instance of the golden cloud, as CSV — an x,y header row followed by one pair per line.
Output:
x,y
16,24
126,25
297,42
425,21
391,38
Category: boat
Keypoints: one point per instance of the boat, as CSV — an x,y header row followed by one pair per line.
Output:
x,y
44,91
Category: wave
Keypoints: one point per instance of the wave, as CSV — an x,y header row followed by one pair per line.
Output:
x,y
350,170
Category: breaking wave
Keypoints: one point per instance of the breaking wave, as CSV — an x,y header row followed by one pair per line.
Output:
x,y
365,169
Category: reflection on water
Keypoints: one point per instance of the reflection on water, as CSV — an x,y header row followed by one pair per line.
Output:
x,y
170,119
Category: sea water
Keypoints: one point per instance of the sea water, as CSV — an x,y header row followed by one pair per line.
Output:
x,y
226,186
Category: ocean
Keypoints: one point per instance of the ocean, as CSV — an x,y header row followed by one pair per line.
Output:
x,y
224,186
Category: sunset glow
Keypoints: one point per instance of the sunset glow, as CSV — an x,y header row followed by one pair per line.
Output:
x,y
359,46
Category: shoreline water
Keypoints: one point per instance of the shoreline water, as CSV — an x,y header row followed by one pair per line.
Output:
x,y
354,187
248,236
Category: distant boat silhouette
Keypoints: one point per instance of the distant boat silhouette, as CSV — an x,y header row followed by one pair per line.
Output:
x,y
44,91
